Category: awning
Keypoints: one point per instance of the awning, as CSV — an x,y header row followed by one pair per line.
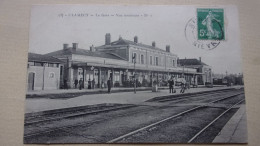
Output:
x,y
89,64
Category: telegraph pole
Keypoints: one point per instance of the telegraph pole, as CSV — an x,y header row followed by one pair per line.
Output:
x,y
134,59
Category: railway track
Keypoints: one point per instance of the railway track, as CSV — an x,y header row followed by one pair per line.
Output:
x,y
84,123
115,140
71,113
178,97
67,127
213,121
54,115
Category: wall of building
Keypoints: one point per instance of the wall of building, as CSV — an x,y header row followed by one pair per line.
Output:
x,y
117,68
46,78
165,60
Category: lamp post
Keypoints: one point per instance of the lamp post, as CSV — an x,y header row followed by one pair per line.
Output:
x,y
43,74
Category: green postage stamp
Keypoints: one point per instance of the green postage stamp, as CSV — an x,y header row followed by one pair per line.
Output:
x,y
210,24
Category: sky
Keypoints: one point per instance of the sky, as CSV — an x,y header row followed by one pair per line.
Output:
x,y
53,25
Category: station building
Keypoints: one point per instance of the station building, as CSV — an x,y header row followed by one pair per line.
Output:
x,y
115,60
205,70
43,72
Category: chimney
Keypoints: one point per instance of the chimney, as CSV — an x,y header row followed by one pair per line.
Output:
x,y
120,37
167,48
153,43
74,46
65,46
107,39
136,39
92,48
200,59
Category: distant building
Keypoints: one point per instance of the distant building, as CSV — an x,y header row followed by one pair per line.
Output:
x,y
115,60
204,71
43,72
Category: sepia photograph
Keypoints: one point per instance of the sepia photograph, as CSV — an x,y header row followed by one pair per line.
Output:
x,y
134,74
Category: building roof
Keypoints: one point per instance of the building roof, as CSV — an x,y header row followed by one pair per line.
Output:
x,y
192,61
42,58
78,51
128,42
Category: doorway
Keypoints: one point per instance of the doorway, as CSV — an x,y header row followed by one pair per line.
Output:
x,y
31,77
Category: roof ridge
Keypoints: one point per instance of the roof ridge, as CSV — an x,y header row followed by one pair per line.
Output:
x,y
134,43
42,58
114,54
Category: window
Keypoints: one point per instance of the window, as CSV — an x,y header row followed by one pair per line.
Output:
x,y
173,62
156,61
142,59
134,55
151,60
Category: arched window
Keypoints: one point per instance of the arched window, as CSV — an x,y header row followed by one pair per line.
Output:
x,y
142,59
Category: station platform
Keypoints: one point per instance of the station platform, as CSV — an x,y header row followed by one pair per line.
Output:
x,y
235,130
43,104
97,90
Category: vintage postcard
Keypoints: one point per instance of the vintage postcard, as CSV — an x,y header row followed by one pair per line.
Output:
x,y
134,74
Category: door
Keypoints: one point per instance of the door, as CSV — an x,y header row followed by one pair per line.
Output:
x,y
31,77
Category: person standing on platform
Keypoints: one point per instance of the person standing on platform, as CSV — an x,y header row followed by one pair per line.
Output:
x,y
109,85
76,83
93,83
89,84
80,84
171,82
183,85
65,84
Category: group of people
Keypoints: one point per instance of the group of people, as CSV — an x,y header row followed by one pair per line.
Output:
x,y
172,83
80,82
76,82
91,84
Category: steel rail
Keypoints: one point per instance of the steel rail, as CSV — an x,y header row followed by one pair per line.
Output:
x,y
59,128
77,115
190,96
80,124
166,119
202,130
68,110
92,122
71,115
